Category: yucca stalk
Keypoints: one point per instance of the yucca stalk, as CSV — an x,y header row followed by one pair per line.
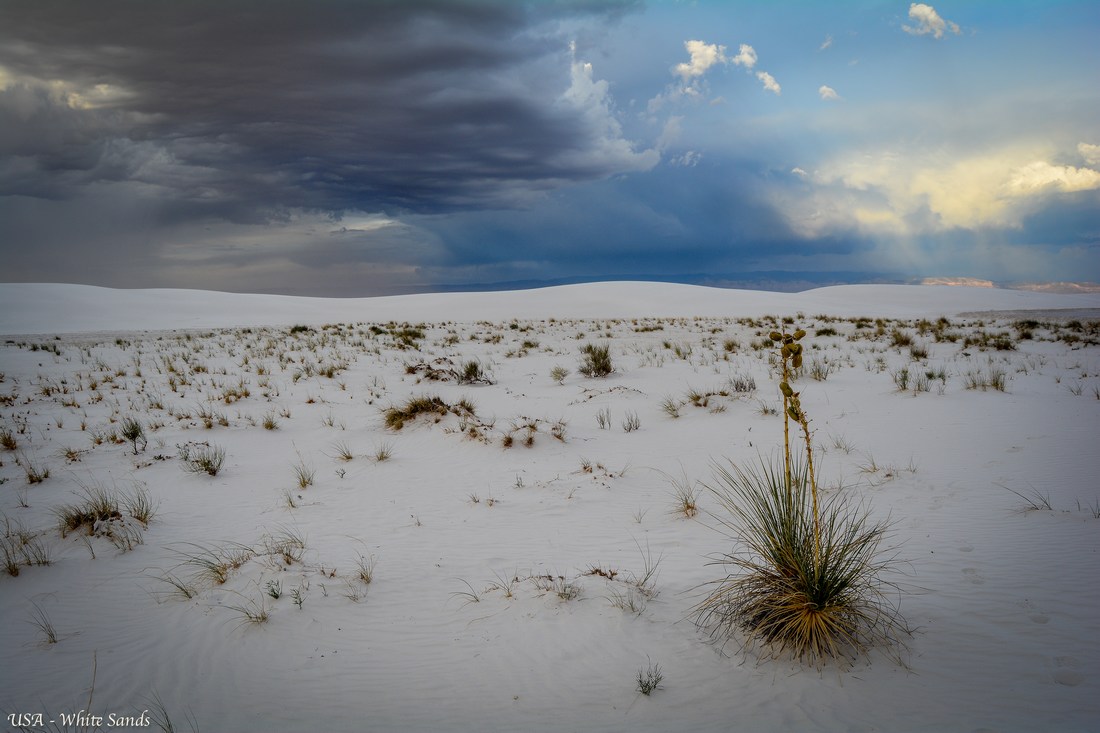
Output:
x,y
790,353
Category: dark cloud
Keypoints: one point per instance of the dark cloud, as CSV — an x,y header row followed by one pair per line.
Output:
x,y
244,108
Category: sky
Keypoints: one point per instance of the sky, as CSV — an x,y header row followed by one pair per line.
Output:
x,y
352,148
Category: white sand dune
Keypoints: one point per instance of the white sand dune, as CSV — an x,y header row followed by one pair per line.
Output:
x,y
1003,600
59,308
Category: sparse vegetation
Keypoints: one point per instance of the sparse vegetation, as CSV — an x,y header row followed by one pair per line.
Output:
x,y
133,431
596,360
650,678
203,458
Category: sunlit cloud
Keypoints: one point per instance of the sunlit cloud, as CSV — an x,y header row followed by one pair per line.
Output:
x,y
746,56
928,21
916,191
768,81
827,93
1091,153
703,57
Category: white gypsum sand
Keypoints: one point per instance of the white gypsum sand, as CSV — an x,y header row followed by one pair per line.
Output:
x,y
472,560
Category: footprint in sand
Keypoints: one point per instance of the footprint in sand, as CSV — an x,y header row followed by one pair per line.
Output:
x,y
1034,614
973,576
1066,671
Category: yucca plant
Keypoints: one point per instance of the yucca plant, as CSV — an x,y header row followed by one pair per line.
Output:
x,y
806,575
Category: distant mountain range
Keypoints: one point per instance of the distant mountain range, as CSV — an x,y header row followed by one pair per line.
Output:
x,y
770,280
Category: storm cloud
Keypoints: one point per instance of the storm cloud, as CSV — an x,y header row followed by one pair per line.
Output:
x,y
346,147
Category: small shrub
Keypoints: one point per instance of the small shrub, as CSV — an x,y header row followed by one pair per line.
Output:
x,y
596,361
603,418
133,431
742,384
631,422
820,370
559,373
901,379
649,678
473,373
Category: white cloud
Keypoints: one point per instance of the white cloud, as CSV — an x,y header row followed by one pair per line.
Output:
x,y
606,148
703,56
828,93
1091,153
928,21
768,81
828,42
799,172
746,56
1039,175
690,159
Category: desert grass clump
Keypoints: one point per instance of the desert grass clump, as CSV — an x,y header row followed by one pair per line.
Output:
x,y
205,458
35,471
99,505
685,495
473,372
596,360
7,439
343,451
249,611
303,473
631,422
396,417
212,565
1034,500
18,546
649,678
41,621
805,576
383,452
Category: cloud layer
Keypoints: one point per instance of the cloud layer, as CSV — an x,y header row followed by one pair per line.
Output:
x,y
349,147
